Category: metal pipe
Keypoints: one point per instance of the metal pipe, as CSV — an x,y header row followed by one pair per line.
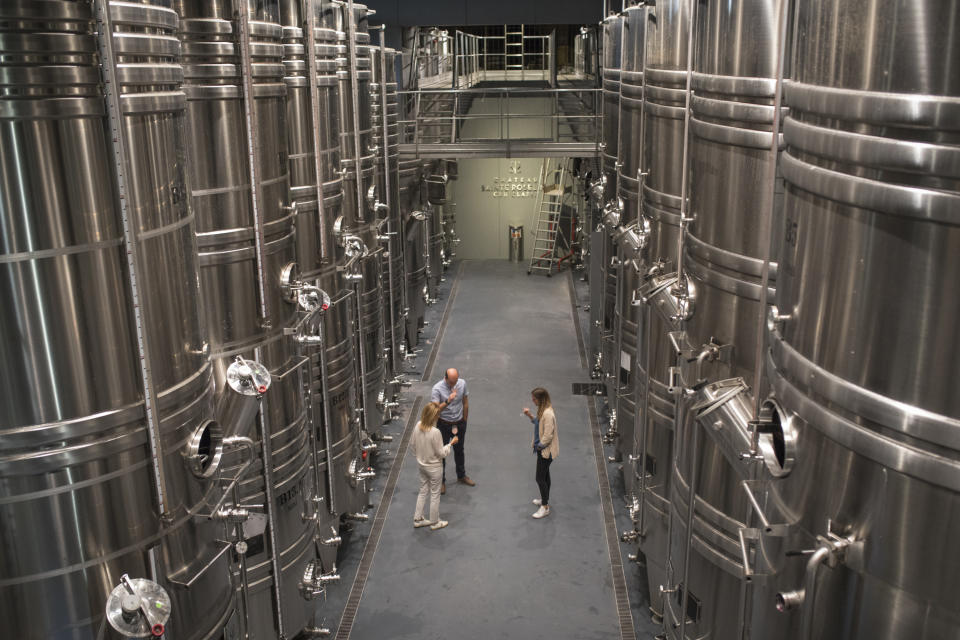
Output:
x,y
618,327
646,422
809,597
456,62
112,91
311,425
387,186
362,358
685,174
269,507
616,192
325,394
310,25
242,12
244,578
641,178
691,503
753,502
236,442
355,92
766,222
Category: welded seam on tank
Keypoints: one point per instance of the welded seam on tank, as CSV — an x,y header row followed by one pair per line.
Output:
x,y
61,251
435,349
624,614
379,520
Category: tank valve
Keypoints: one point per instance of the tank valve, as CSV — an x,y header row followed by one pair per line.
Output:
x,y
138,608
673,381
790,600
776,320
359,517
314,583
333,540
366,475
231,514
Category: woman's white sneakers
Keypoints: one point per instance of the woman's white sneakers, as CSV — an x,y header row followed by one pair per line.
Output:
x,y
542,512
439,524
537,501
422,522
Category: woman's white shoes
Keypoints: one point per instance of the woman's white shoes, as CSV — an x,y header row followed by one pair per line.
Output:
x,y
422,522
542,512
537,501
439,524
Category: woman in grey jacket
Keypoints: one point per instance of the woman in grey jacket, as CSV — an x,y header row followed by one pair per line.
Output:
x,y
546,446
430,451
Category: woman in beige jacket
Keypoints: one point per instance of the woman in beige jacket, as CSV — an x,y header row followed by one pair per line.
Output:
x,y
430,451
546,446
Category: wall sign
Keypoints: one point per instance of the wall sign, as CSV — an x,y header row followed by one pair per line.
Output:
x,y
516,186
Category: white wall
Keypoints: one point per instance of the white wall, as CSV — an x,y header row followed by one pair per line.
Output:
x,y
483,213
482,217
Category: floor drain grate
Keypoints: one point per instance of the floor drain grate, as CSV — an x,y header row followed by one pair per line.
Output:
x,y
379,520
627,629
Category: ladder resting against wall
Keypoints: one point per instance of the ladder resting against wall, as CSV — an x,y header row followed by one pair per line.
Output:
x,y
553,182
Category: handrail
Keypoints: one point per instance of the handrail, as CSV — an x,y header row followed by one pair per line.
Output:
x,y
438,119
512,90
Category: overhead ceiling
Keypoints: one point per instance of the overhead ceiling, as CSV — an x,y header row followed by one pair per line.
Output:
x,y
410,13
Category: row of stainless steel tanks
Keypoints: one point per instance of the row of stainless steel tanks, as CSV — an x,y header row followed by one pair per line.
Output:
x,y
776,233
213,266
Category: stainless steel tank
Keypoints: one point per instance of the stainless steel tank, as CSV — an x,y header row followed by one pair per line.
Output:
x,y
620,388
863,344
79,500
435,185
332,382
664,77
603,288
386,137
731,186
361,207
334,412
316,248
415,247
450,239
612,50
246,239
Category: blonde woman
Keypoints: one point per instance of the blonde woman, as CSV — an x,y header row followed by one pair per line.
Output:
x,y
430,451
546,445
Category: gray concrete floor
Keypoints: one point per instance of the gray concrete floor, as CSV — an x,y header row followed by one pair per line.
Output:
x,y
495,572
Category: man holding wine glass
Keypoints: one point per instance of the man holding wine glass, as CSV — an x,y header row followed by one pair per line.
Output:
x,y
451,394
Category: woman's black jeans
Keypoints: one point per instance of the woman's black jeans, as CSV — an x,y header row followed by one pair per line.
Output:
x,y
543,478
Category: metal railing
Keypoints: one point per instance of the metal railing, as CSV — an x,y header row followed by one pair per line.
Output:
x,y
568,116
463,60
